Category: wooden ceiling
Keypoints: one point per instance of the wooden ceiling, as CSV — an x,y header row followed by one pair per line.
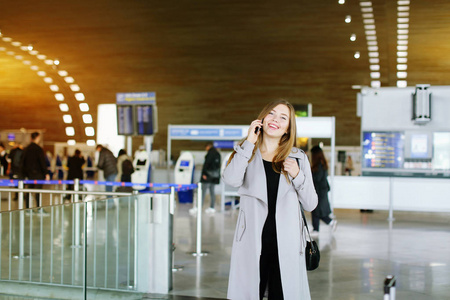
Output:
x,y
209,62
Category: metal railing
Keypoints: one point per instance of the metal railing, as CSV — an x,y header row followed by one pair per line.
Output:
x,y
90,244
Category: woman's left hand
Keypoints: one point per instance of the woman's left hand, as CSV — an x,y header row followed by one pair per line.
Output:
x,y
291,166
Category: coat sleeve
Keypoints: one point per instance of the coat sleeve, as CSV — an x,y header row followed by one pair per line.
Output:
x,y
101,161
304,185
233,174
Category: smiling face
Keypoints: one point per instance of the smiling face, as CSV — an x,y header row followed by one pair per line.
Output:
x,y
276,123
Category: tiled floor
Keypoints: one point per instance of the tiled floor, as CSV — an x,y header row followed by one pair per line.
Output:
x,y
354,260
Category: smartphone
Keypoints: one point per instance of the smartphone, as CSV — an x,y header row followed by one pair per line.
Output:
x,y
259,127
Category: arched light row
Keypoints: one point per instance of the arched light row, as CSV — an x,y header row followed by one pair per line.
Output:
x,y
372,42
371,37
59,96
402,42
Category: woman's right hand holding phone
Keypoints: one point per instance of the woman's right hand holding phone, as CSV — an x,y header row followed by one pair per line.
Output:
x,y
254,131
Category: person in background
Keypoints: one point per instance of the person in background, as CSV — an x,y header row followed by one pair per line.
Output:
x,y
349,166
15,157
3,160
34,165
108,163
75,165
319,167
274,180
125,169
210,175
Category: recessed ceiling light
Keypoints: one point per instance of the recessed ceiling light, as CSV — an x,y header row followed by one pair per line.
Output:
x,y
70,131
402,83
64,107
80,96
87,119
375,84
74,87
67,119
59,97
402,74
90,131
84,107
69,79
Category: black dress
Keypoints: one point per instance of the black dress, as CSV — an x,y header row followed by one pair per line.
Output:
x,y
268,262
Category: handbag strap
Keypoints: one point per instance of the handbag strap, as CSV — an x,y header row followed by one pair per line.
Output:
x,y
303,216
304,221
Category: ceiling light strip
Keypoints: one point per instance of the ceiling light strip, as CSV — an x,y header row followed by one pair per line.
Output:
x,y
64,108
372,43
402,42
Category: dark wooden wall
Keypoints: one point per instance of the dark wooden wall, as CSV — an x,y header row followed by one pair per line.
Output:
x,y
211,62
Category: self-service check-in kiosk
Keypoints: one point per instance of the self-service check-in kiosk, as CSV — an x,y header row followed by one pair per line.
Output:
x,y
184,174
142,168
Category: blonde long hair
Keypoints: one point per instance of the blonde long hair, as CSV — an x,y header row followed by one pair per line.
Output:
x,y
287,141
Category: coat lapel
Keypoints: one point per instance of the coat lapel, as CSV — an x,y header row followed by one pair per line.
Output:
x,y
255,184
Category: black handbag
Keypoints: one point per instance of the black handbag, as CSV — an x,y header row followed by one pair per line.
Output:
x,y
312,253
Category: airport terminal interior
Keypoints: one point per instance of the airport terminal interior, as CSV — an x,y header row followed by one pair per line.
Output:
x,y
161,79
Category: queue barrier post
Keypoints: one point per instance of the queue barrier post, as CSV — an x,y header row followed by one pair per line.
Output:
x,y
199,222
21,254
76,227
389,287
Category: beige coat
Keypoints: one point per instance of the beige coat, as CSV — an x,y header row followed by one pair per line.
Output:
x,y
251,179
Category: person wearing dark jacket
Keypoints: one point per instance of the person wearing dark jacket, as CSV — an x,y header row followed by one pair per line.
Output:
x,y
108,163
15,156
75,165
3,160
34,166
319,167
210,174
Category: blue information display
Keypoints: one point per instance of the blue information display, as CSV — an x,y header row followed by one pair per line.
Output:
x,y
208,133
184,163
383,150
125,120
144,115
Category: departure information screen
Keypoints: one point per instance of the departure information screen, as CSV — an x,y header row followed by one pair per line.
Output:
x,y
383,149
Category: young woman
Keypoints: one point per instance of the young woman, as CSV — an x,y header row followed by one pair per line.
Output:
x,y
319,168
274,178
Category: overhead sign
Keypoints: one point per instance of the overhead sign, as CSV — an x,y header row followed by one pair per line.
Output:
x,y
315,127
137,113
213,132
136,98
